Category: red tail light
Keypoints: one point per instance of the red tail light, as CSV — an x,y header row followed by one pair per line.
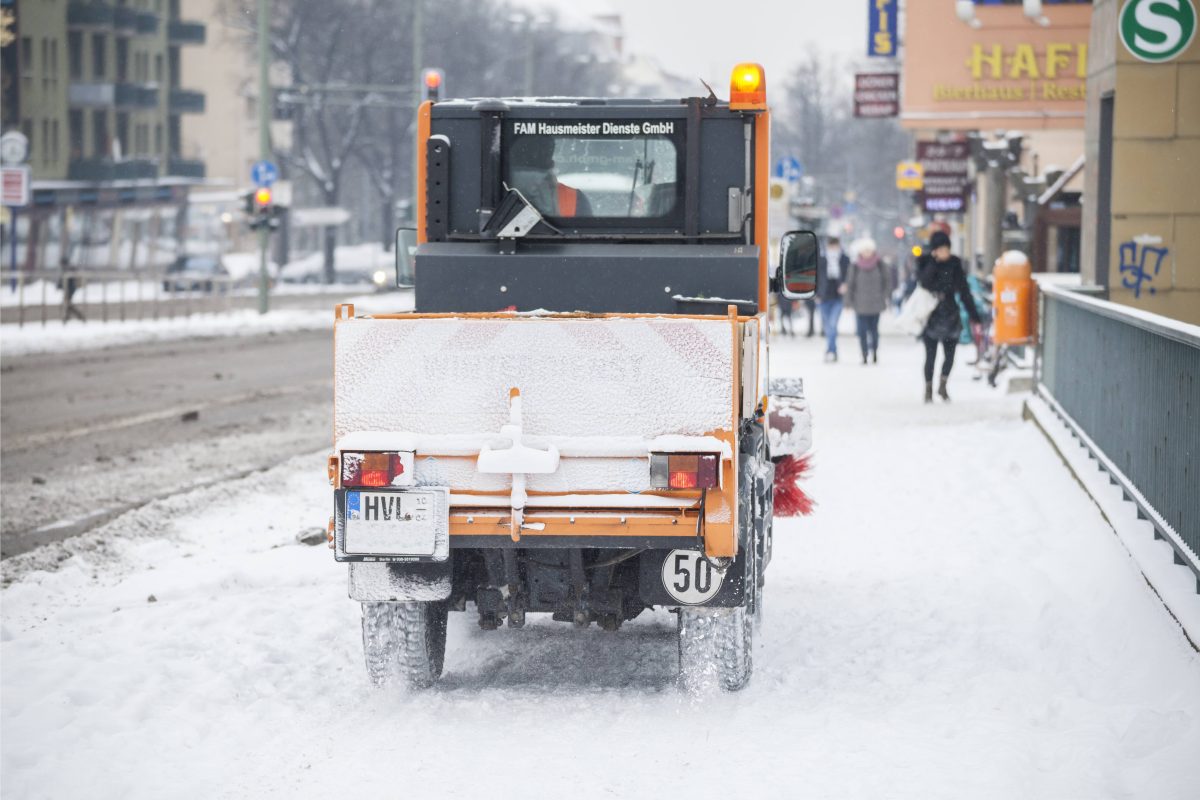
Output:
x,y
377,469
683,470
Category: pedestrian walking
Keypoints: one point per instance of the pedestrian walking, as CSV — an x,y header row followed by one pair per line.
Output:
x,y
832,269
68,283
787,324
941,273
868,287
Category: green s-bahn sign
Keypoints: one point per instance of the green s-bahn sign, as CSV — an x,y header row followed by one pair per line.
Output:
x,y
1157,30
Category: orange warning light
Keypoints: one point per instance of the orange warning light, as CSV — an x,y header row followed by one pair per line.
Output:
x,y
748,87
262,197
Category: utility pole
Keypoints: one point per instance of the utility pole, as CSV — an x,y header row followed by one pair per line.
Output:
x,y
264,146
417,66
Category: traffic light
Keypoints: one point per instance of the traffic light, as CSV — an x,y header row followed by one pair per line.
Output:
x,y
261,211
431,84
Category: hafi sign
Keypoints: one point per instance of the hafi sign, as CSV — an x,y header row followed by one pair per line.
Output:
x,y
881,28
1005,74
910,176
1157,30
877,94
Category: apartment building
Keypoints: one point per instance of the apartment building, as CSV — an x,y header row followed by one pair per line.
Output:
x,y
98,92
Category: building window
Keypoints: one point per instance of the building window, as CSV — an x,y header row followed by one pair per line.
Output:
x,y
100,134
158,140
26,55
123,129
122,60
99,54
75,55
158,68
75,132
45,66
45,154
54,140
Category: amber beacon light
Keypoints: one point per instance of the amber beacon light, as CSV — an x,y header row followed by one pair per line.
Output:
x,y
748,87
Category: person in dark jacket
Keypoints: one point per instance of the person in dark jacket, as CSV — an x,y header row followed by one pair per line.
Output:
x,y
831,271
942,274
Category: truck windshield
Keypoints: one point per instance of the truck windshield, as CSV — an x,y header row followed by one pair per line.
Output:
x,y
600,169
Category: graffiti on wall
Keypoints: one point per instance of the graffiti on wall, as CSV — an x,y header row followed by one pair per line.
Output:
x,y
1140,260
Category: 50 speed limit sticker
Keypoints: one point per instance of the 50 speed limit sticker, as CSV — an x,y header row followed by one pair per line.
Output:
x,y
689,577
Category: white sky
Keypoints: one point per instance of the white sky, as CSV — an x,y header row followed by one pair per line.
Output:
x,y
705,38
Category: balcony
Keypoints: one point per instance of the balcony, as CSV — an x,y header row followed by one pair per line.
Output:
x,y
89,14
180,32
135,95
185,101
124,19
185,168
147,23
90,95
105,170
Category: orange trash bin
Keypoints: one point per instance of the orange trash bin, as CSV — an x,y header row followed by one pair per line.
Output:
x,y
1012,299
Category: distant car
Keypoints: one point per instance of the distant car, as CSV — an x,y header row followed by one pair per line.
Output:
x,y
196,273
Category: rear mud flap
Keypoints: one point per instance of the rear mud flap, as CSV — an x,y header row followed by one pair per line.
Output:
x,y
672,578
381,582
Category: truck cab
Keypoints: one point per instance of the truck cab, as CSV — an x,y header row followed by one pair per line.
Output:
x,y
574,419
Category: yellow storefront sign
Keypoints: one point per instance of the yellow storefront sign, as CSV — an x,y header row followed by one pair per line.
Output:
x,y
910,176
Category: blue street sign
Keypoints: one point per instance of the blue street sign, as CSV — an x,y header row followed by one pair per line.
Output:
x,y
264,173
882,36
789,168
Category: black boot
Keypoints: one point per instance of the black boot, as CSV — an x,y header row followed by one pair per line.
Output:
x,y
928,391
942,390
874,356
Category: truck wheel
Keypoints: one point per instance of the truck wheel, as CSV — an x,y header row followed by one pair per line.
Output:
x,y
421,632
379,643
406,640
715,648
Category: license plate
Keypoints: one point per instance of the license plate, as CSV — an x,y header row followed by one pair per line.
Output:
x,y
392,523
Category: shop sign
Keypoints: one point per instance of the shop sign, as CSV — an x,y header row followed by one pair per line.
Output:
x,y
946,176
876,94
881,28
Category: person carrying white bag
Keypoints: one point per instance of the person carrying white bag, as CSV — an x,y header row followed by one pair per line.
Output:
x,y
940,276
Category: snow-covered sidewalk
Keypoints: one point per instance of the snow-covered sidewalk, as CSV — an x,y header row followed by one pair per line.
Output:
x,y
956,621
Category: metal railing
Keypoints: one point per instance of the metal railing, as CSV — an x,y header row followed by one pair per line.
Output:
x,y
1127,383
46,296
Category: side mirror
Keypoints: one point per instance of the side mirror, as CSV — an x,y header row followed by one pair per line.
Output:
x,y
799,254
406,250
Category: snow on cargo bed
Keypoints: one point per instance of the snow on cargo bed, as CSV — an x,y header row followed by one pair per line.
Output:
x,y
578,377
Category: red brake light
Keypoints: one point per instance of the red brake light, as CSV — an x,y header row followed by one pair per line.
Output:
x,y
684,470
374,469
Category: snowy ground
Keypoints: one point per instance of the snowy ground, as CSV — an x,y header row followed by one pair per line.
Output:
x,y
956,621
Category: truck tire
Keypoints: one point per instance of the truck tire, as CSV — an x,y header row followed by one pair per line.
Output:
x,y
379,643
407,640
716,645
715,648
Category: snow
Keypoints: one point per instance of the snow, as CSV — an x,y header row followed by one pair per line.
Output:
x,y
59,337
957,620
642,377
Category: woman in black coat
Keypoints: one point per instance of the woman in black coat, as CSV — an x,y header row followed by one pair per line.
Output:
x,y
942,274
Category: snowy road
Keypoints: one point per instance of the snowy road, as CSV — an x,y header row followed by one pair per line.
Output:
x,y
956,621
89,436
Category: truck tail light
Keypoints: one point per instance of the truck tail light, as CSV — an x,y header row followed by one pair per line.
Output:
x,y
376,469
683,470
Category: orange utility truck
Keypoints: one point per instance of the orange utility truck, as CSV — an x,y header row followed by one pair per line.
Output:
x,y
574,418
